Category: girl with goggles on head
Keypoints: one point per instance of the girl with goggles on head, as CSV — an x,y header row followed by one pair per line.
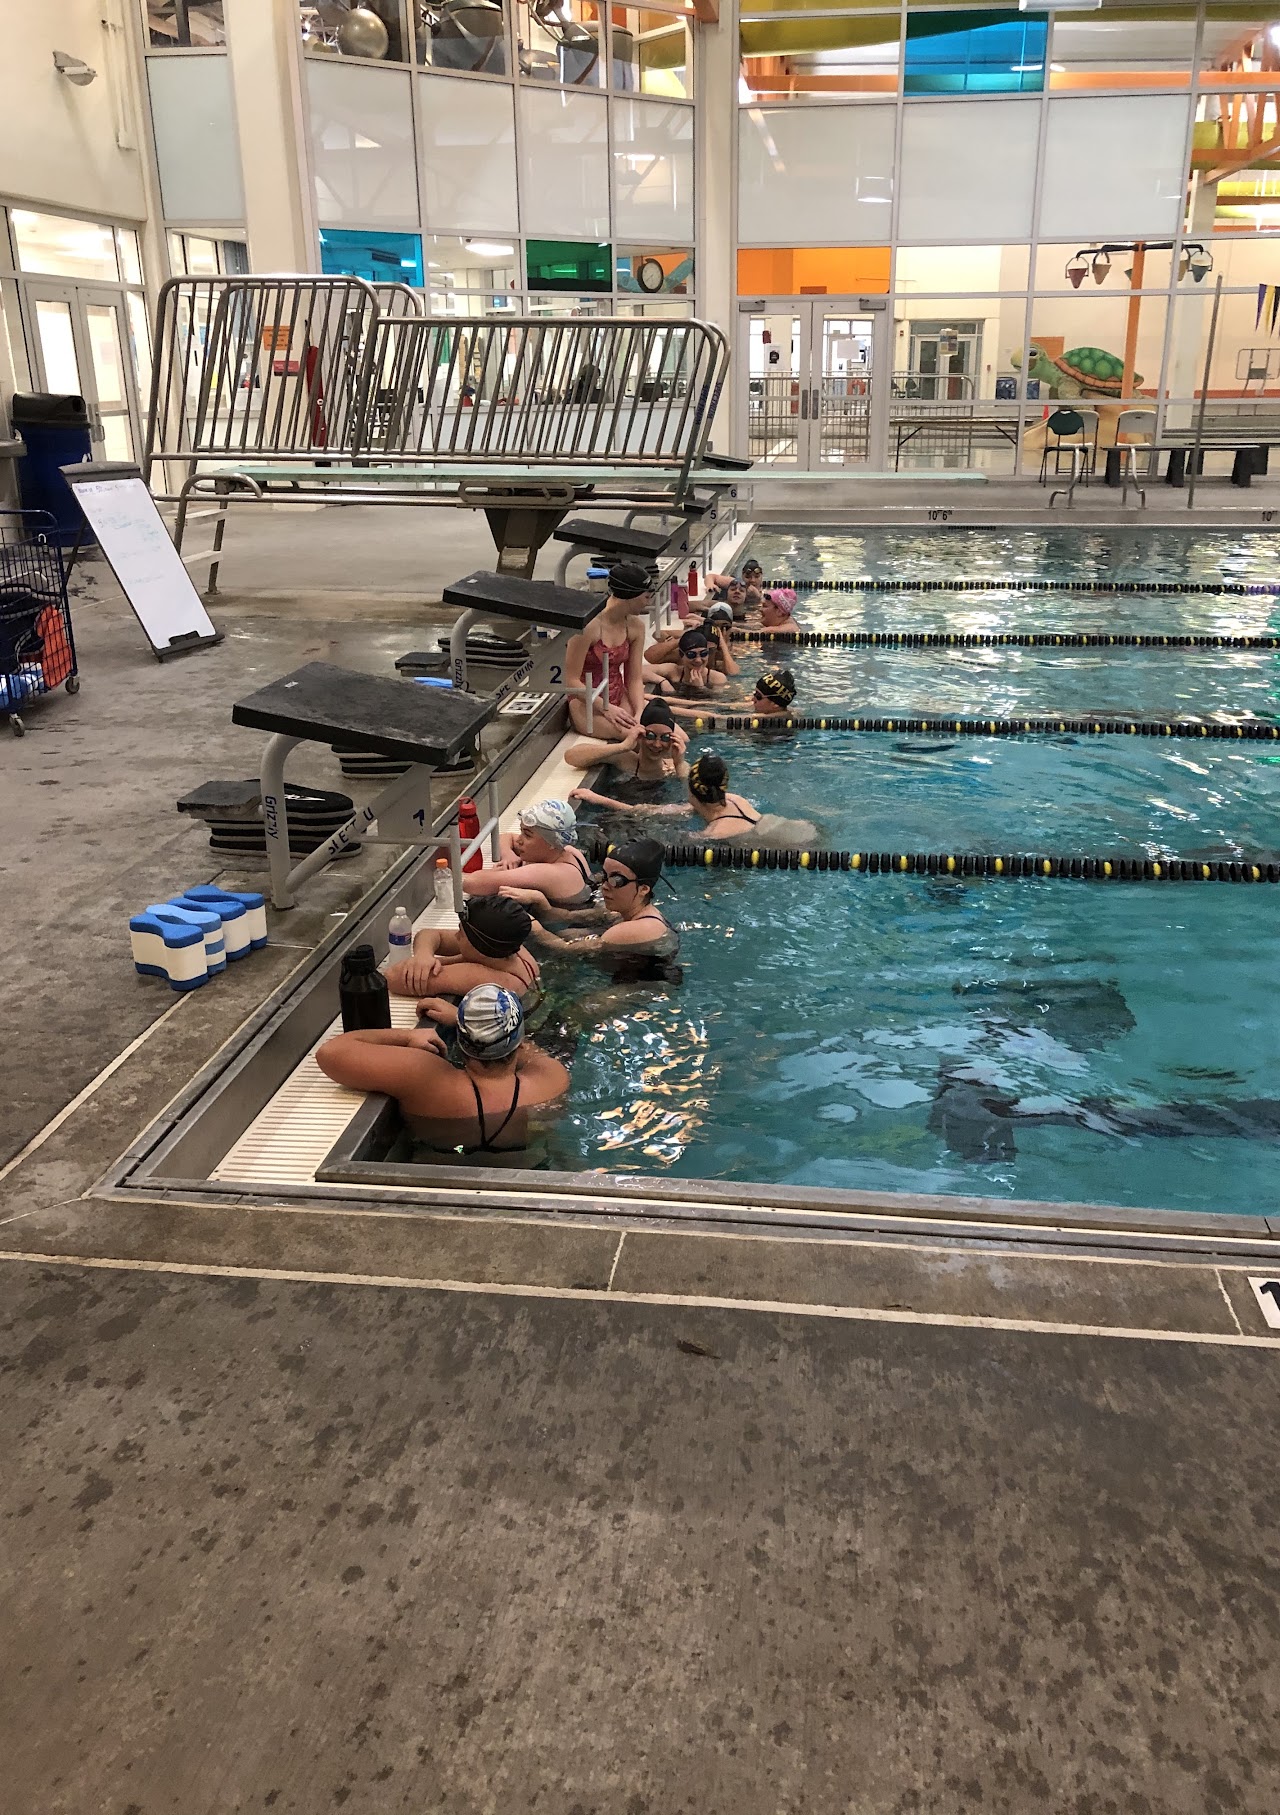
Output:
x,y
651,752
636,927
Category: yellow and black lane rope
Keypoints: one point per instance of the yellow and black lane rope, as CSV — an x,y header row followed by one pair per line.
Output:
x,y
954,864
1251,731
1233,589
1009,639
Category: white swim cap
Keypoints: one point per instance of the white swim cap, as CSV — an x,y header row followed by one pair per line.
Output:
x,y
490,1023
554,819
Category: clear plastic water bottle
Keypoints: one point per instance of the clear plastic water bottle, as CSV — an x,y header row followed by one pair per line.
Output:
x,y
443,883
400,935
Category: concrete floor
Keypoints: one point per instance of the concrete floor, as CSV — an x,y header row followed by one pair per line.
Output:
x,y
590,1530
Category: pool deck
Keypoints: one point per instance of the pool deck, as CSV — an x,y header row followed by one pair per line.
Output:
x,y
370,1510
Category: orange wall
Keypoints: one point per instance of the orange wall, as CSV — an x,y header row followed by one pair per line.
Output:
x,y
814,270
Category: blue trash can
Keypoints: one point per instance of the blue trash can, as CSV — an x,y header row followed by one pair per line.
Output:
x,y
55,431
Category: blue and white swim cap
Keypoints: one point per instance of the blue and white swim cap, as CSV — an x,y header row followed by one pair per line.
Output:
x,y
490,1023
554,820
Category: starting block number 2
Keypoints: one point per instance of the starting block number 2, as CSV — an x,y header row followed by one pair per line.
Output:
x,y
1267,1293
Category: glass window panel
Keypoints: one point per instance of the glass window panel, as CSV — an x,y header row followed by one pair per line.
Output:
x,y
1246,356
471,303
815,174
650,271
1096,52
1079,347
560,41
185,24
127,248
653,169
468,134
564,164
659,310
975,53
466,37
570,308
813,271
818,59
379,258
107,354
568,265
1114,166
58,348
968,170
463,265
954,347
961,268
362,145
373,30
117,438
60,247
140,340
650,52
197,149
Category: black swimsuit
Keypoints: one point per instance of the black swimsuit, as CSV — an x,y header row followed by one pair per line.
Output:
x,y
486,1139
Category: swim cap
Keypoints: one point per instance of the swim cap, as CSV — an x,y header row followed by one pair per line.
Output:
x,y
643,857
782,598
720,613
777,685
657,712
751,567
495,925
708,778
490,1023
553,819
693,644
627,581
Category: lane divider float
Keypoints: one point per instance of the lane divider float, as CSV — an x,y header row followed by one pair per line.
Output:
x,y
1011,639
1235,589
1252,731
961,864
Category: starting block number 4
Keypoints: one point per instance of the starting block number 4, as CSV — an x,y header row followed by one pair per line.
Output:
x,y
1267,1293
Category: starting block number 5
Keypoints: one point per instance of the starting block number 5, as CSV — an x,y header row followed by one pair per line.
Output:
x,y
1267,1293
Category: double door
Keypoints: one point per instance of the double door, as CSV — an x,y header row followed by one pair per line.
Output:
x,y
815,371
79,346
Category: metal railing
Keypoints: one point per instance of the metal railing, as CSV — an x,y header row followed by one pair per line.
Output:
x,y
292,369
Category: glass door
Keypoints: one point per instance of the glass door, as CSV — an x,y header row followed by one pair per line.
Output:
x,y
813,398
81,349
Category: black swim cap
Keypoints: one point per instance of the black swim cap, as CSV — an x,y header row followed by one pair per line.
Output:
x,y
643,857
708,778
627,581
694,643
778,685
657,712
751,567
495,925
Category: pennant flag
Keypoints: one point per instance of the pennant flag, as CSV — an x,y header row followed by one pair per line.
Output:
x,y
1262,297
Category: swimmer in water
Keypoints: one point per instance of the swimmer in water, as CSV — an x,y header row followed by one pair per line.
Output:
x,y
488,947
636,927
692,676
772,697
777,612
651,753
540,854
743,594
479,1106
723,815
715,623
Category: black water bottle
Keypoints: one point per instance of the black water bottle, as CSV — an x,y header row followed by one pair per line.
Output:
x,y
362,991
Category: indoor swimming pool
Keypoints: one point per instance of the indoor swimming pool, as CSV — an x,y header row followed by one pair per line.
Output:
x,y
1054,1041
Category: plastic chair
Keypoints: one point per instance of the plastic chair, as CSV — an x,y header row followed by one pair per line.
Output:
x,y
1134,428
1064,426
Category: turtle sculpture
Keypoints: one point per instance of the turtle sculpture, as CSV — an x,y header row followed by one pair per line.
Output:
x,y
1083,372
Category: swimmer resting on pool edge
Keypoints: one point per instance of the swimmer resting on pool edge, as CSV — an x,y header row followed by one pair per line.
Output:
x,y
488,947
479,1106
637,926
652,751
774,692
723,815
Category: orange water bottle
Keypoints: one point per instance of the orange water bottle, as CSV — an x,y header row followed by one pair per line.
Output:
x,y
469,828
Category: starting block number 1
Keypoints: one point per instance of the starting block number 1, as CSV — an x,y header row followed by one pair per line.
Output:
x,y
1267,1293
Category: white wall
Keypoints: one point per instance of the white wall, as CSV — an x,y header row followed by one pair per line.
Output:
x,y
58,143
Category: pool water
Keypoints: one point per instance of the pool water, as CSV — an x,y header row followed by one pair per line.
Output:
x,y
1067,1042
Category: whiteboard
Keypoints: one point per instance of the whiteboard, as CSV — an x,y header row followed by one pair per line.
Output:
x,y
123,515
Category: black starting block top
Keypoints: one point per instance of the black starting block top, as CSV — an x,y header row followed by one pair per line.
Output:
x,y
534,601
621,539
429,725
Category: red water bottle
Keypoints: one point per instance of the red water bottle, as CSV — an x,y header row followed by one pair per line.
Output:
x,y
469,828
693,579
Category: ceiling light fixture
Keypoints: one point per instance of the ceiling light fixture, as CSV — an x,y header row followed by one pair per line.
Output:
x,y
484,248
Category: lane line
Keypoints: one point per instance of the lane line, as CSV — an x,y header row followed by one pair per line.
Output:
x,y
945,1320
1222,1288
94,1084
617,1256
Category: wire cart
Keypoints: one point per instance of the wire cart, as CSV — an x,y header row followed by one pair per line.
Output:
x,y
37,647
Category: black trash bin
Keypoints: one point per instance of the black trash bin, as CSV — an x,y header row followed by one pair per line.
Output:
x,y
56,433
